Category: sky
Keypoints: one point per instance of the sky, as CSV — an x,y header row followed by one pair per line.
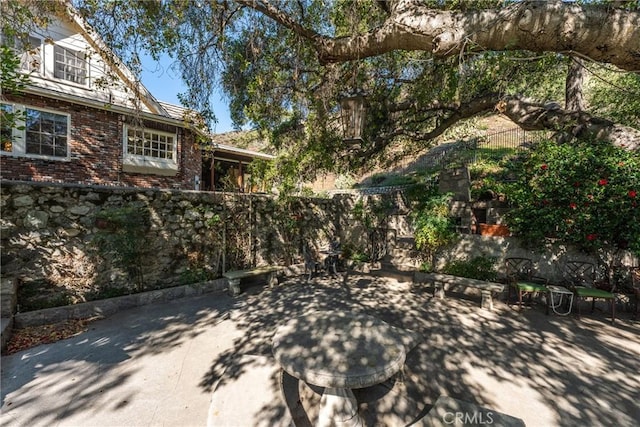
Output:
x,y
165,84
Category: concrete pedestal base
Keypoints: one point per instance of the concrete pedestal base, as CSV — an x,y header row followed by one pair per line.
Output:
x,y
487,302
339,408
234,287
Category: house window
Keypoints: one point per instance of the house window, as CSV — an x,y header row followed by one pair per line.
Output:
x,y
150,143
29,51
70,65
33,132
149,150
46,133
30,55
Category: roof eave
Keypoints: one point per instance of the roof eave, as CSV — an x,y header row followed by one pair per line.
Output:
x,y
34,90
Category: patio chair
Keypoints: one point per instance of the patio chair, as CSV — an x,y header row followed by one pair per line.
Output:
x,y
580,276
311,263
520,277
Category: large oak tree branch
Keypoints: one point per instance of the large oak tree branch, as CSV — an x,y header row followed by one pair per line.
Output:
x,y
535,116
451,114
528,115
601,33
604,34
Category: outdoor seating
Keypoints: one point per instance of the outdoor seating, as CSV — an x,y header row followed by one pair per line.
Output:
x,y
520,277
581,278
311,262
234,277
332,253
442,282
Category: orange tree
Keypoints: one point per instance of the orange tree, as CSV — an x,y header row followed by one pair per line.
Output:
x,y
584,193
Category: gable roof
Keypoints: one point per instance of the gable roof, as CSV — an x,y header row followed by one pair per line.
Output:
x,y
176,111
94,39
151,108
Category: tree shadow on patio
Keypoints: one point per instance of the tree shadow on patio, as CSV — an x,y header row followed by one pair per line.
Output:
x,y
543,369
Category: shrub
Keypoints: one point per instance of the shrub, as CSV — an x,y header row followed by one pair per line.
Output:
x,y
433,227
585,193
481,268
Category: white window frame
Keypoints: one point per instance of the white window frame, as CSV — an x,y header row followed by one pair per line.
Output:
x,y
28,54
144,161
71,69
19,134
34,54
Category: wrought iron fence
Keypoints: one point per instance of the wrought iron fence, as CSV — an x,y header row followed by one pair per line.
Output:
x,y
493,146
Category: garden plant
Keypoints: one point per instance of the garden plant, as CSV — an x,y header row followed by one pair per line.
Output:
x,y
586,194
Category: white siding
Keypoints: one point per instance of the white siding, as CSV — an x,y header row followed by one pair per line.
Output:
x,y
68,36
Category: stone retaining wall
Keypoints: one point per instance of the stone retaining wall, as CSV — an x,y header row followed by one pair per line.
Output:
x,y
48,238
49,245
548,261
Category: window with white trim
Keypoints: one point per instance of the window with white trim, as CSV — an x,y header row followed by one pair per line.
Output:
x,y
149,149
29,50
70,65
31,55
34,132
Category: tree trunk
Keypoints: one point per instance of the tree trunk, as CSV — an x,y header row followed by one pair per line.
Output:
x,y
574,101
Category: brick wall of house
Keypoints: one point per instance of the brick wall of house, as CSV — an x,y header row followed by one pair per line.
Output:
x,y
190,159
96,151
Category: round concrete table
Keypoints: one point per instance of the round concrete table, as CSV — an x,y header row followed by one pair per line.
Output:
x,y
339,351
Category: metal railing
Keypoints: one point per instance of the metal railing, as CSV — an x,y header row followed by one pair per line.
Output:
x,y
492,146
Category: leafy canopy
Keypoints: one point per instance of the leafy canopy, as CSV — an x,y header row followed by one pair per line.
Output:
x,y
274,81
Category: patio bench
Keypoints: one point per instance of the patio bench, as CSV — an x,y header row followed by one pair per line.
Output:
x,y
234,277
442,282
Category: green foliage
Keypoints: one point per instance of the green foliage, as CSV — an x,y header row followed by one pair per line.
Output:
x,y
14,81
121,235
585,193
355,253
195,275
614,95
433,227
481,268
426,267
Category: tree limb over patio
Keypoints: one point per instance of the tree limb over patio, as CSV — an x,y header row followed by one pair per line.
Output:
x,y
529,115
603,34
535,116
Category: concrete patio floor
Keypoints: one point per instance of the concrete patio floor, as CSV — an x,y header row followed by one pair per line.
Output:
x,y
207,361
